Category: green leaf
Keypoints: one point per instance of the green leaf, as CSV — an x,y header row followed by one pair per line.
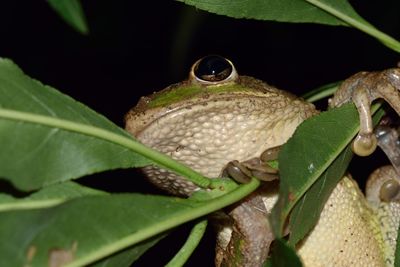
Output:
x,y
313,148
306,212
343,11
79,230
321,92
90,228
47,137
72,13
314,151
283,255
279,10
329,12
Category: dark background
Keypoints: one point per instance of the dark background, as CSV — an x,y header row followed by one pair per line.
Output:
x,y
134,49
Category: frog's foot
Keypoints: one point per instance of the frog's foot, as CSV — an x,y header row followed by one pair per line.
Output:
x,y
363,88
255,167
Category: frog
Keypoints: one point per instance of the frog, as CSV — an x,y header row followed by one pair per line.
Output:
x,y
222,124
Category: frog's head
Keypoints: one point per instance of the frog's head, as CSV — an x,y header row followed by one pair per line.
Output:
x,y
213,117
211,79
209,76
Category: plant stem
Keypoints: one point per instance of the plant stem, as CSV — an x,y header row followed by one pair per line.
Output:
x,y
190,245
321,92
32,204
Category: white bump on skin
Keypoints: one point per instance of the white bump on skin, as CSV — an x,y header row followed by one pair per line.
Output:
x,y
165,130
198,135
218,142
200,119
228,116
217,126
206,125
216,119
176,139
193,147
229,125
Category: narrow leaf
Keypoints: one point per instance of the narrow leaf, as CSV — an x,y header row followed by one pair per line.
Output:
x,y
47,197
87,229
314,145
321,92
305,157
35,237
72,13
306,212
343,11
339,13
47,137
278,10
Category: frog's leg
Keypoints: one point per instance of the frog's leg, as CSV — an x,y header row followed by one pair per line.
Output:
x,y
255,167
383,195
244,234
383,191
362,88
384,183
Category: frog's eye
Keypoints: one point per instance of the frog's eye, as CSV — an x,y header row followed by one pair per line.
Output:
x,y
213,69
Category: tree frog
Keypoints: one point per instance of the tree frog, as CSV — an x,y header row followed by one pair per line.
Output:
x,y
220,123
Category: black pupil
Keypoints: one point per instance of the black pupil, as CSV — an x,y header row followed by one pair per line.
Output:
x,y
213,69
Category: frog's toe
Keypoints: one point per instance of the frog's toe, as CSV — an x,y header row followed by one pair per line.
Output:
x,y
364,144
235,170
256,167
242,172
270,154
363,88
260,169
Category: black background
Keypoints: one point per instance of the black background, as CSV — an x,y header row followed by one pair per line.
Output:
x,y
134,49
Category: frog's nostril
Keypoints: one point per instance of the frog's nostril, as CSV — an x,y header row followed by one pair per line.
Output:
x,y
213,68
